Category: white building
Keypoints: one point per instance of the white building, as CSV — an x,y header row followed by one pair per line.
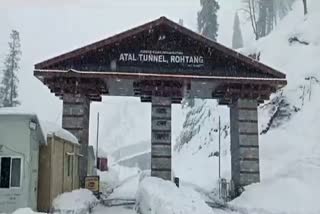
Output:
x,y
20,136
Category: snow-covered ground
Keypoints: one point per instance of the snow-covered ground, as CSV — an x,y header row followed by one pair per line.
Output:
x,y
158,196
113,210
76,201
290,150
120,182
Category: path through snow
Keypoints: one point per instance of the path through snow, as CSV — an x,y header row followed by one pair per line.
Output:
x,y
112,210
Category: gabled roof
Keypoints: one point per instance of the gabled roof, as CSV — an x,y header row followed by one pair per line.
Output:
x,y
162,21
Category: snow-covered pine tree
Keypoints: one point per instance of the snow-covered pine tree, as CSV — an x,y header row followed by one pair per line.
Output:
x,y
207,19
266,17
282,8
264,14
181,22
305,7
237,40
197,111
9,83
251,10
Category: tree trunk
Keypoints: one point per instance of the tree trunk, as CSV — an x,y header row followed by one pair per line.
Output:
x,y
305,7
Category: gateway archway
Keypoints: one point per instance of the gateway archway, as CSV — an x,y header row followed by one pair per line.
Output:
x,y
162,62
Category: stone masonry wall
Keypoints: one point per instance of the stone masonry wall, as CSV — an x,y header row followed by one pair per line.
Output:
x,y
244,143
161,138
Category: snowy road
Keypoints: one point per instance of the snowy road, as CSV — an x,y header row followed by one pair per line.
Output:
x,y
112,210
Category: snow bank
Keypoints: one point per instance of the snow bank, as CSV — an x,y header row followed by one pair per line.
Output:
x,y
121,181
15,111
158,196
76,200
290,167
24,211
50,128
108,180
289,154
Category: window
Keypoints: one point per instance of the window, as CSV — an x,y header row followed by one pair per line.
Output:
x,y
15,172
10,172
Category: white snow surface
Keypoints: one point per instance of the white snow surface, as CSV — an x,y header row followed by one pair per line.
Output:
x,y
289,154
123,181
112,210
76,200
159,196
25,211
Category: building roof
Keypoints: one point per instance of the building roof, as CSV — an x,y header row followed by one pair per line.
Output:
x,y
160,57
162,22
47,128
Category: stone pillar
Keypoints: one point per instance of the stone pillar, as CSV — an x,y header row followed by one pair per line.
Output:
x,y
244,143
161,137
75,118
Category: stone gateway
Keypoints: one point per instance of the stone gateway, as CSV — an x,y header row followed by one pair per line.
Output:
x,y
161,62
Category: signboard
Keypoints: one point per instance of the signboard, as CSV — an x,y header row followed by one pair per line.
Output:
x,y
93,183
161,57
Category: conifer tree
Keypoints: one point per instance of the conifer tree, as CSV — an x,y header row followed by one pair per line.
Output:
x,y
207,19
305,7
9,83
264,14
237,41
198,110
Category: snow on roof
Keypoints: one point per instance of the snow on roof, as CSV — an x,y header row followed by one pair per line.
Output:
x,y
49,128
16,111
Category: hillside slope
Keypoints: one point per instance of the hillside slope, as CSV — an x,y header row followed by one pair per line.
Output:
x,y
289,141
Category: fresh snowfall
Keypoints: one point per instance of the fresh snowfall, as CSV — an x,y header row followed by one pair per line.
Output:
x,y
289,142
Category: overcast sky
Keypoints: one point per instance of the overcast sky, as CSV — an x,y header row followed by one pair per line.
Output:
x,y
51,27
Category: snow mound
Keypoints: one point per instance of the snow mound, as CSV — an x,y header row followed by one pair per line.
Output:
x,y
108,180
158,196
24,211
50,128
121,181
77,200
289,153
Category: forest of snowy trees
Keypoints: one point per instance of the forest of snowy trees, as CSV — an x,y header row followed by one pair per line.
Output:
x,y
263,16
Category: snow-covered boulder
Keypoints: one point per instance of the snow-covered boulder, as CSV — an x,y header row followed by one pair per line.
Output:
x,y
159,196
78,201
